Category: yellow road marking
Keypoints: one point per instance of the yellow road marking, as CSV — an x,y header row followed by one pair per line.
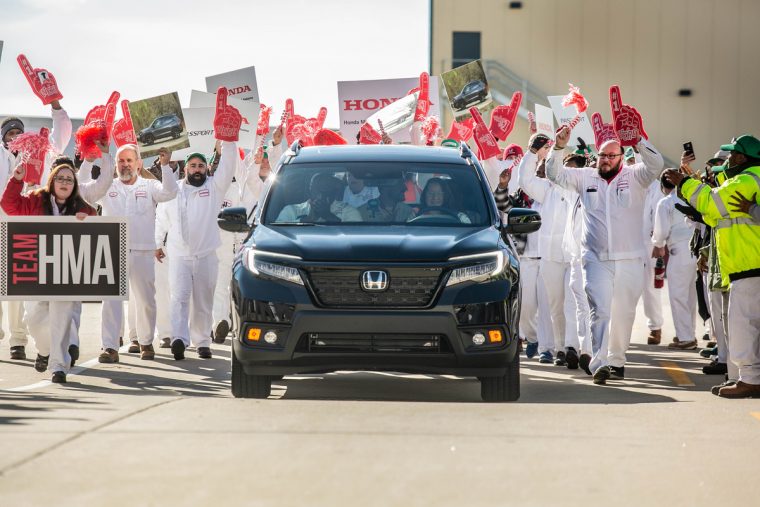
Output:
x,y
677,374
756,415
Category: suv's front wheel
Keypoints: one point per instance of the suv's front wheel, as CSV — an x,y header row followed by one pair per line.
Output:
x,y
505,387
248,386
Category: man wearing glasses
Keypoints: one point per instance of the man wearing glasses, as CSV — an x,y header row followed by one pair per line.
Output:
x,y
612,201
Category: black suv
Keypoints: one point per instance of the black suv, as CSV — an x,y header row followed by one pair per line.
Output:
x,y
387,258
474,91
168,125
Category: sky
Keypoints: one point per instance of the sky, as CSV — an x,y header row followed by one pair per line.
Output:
x,y
144,48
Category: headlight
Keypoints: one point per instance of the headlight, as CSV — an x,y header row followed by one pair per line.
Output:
x,y
257,266
492,264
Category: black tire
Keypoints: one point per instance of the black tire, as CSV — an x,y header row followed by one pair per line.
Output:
x,y
149,140
176,133
503,388
248,386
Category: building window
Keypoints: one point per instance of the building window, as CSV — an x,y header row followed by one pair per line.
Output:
x,y
466,48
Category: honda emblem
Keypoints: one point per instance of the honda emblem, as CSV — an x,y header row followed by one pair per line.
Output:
x,y
374,280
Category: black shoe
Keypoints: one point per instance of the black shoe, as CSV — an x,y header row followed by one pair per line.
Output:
x,y
716,389
707,353
18,353
204,352
601,375
617,372
583,362
74,353
41,363
134,347
572,359
560,361
59,377
715,368
178,349
706,337
221,331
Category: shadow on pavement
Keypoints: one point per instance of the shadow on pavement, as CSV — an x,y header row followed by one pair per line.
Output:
x,y
22,408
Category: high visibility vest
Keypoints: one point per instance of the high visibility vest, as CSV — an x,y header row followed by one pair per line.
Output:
x,y
737,234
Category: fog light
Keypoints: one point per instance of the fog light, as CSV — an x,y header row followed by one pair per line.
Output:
x,y
270,337
494,336
254,334
478,338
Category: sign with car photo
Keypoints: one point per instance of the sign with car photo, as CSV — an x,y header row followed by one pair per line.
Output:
x,y
159,123
384,99
467,86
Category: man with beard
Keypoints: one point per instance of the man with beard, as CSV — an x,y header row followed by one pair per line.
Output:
x,y
132,196
191,244
612,200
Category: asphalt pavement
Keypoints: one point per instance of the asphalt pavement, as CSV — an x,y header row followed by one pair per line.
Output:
x,y
165,432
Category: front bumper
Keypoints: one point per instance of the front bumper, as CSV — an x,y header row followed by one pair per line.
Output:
x,y
289,311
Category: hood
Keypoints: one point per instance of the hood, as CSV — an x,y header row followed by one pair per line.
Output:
x,y
375,244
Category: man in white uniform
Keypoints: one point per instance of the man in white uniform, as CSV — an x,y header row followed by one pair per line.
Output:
x,y
246,187
135,197
672,234
191,244
612,198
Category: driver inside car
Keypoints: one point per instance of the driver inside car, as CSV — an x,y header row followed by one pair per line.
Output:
x,y
323,204
389,205
437,199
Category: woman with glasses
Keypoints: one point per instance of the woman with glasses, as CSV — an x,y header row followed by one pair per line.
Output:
x,y
53,323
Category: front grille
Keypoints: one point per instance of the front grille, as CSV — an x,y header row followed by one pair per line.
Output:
x,y
368,343
412,287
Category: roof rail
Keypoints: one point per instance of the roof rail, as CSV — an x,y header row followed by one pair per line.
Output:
x,y
465,152
293,151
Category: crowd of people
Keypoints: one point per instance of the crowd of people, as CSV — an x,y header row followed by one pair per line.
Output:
x,y
615,224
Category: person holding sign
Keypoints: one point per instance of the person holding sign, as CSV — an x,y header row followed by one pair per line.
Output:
x,y
193,236
612,200
44,86
52,324
132,196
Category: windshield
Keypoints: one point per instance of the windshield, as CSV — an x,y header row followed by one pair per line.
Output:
x,y
372,193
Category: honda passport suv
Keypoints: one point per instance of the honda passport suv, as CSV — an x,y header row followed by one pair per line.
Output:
x,y
168,125
389,258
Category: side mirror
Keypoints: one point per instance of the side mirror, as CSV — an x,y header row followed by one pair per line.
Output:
x,y
233,220
522,221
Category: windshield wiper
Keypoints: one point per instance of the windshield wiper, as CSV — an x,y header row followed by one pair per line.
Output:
x,y
294,223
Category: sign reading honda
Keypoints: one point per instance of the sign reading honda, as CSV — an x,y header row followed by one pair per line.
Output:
x,y
62,258
358,100
240,84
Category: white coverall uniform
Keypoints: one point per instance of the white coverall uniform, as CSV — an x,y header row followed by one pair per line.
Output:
x,y
572,246
672,230
59,138
54,324
137,202
554,264
192,241
244,191
611,248
652,296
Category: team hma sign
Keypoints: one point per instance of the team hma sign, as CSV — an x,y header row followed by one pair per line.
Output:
x,y
63,258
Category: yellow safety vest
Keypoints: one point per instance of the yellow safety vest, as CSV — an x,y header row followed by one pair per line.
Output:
x,y
737,234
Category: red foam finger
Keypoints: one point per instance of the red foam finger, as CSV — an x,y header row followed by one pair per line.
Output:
x,y
616,102
26,67
221,99
289,109
515,102
322,116
477,117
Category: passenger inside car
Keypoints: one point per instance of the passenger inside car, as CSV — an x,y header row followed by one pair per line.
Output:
x,y
357,193
438,200
323,204
389,206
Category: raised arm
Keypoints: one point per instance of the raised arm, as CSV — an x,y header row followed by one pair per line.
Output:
x,y
651,164
166,190
227,164
12,201
91,190
61,133
534,186
556,172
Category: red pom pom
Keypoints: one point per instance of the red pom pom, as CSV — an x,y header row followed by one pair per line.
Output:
x,y
368,135
30,142
86,136
263,126
574,98
327,137
431,128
